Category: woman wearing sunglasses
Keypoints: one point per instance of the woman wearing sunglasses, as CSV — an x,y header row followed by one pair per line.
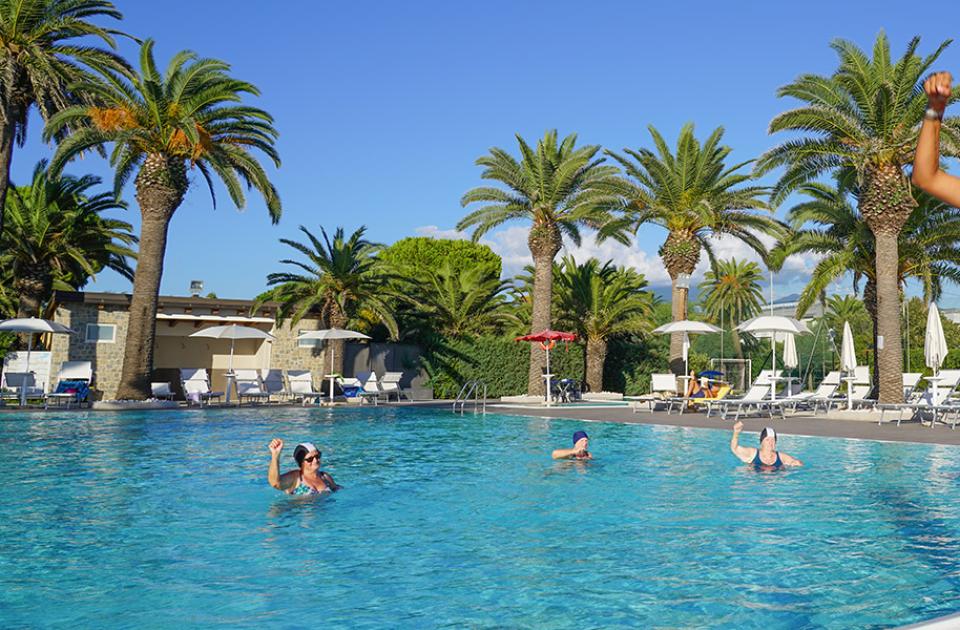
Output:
x,y
307,479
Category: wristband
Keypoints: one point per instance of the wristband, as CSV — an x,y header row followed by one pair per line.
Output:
x,y
933,114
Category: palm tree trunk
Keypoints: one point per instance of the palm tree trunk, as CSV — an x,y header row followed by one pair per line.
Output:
x,y
737,346
7,132
544,241
32,287
337,346
870,302
890,359
678,298
161,184
596,357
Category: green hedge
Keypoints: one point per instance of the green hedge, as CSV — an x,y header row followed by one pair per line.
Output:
x,y
500,362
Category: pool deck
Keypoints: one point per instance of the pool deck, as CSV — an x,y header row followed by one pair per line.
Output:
x,y
818,426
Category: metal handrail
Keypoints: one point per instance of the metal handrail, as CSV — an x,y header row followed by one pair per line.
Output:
x,y
472,388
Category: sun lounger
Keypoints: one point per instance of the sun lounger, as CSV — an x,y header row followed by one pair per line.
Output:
x,y
300,386
250,386
824,393
273,383
371,388
161,391
390,384
73,383
757,397
926,402
196,386
662,388
14,381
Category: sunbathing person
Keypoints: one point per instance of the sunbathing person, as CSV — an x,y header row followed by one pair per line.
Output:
x,y
579,450
307,479
927,173
696,390
765,458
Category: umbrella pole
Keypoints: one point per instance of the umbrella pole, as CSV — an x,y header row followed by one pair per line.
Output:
x,y
23,383
331,371
549,376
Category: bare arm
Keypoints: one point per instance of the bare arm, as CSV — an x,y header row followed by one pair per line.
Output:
x,y
327,479
743,453
927,173
274,478
564,453
789,461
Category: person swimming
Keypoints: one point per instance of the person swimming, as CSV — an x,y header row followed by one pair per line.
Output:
x,y
307,479
579,450
765,458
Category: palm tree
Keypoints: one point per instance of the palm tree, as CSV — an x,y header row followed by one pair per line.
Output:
x,y
159,124
731,293
694,195
558,188
865,117
341,282
457,302
44,54
601,302
56,237
829,225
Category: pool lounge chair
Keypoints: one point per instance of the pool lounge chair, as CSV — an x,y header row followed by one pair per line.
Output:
x,y
707,402
13,381
757,398
73,383
371,388
273,383
161,391
250,386
300,386
824,393
196,386
926,403
390,384
663,387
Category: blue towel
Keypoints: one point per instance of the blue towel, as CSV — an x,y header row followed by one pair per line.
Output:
x,y
80,388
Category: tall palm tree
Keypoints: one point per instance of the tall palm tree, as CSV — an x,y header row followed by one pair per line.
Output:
x,y
44,54
340,281
159,124
456,302
693,194
559,189
56,237
731,293
864,117
600,302
829,225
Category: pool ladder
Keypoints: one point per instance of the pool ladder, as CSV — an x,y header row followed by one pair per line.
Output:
x,y
472,389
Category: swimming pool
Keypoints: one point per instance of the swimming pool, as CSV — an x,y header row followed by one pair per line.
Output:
x,y
164,519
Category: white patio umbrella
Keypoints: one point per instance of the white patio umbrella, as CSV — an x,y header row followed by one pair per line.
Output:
x,y
848,360
773,324
330,334
232,332
32,325
934,345
686,327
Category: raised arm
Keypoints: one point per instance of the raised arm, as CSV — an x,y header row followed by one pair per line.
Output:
x,y
274,478
927,173
743,453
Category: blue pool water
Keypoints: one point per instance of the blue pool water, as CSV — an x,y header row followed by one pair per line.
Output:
x,y
164,519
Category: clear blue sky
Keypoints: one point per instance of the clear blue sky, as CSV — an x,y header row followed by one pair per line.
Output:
x,y
383,107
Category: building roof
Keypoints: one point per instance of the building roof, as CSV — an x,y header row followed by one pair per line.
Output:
x,y
170,305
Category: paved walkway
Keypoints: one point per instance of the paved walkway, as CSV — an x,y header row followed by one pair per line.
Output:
x,y
796,425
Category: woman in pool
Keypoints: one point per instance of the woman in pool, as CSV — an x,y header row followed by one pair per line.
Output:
x,y
927,173
307,479
579,450
767,457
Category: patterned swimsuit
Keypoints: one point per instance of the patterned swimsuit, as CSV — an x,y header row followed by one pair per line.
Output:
x,y
303,488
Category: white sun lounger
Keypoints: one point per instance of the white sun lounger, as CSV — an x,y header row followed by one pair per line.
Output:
x,y
71,371
250,386
14,381
663,387
824,393
161,391
925,402
371,388
390,384
273,383
196,386
757,397
300,386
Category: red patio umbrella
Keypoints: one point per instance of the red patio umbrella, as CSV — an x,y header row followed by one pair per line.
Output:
x,y
548,339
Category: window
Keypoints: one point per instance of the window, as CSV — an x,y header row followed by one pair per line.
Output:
x,y
308,343
101,333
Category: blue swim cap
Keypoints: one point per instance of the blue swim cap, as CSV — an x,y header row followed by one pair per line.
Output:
x,y
579,435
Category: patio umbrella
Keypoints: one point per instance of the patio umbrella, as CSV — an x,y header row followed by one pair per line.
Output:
x,y
330,334
773,324
686,327
934,344
232,332
32,325
848,360
547,339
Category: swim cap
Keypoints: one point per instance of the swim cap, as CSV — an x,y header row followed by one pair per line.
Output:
x,y
768,432
301,451
579,435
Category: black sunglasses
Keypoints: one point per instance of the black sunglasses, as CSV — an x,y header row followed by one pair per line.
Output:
x,y
310,459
